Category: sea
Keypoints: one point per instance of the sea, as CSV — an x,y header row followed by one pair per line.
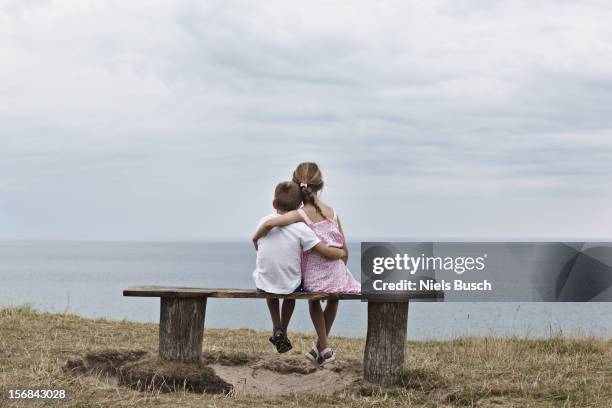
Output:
x,y
87,278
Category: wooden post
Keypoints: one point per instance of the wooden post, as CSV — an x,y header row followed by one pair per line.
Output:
x,y
383,360
181,328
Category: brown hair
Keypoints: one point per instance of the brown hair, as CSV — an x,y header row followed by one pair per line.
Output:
x,y
287,196
308,176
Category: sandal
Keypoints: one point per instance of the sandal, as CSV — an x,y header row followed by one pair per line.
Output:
x,y
280,341
276,337
313,354
284,345
326,360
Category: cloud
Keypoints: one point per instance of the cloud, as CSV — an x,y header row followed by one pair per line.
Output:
x,y
158,120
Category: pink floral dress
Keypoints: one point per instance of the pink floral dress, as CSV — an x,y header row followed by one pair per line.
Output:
x,y
320,274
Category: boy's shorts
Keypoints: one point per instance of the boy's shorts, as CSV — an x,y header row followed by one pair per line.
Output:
x,y
297,290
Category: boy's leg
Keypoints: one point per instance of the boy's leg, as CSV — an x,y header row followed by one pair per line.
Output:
x,y
318,320
274,313
279,338
286,312
330,314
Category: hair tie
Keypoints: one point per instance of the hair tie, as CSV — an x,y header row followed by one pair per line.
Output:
x,y
304,185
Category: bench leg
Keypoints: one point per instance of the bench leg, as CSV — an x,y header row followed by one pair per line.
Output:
x,y
181,329
383,360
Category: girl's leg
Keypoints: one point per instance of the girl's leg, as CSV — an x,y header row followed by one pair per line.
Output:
x,y
318,320
286,312
330,314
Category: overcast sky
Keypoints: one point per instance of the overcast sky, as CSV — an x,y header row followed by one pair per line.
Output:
x,y
163,120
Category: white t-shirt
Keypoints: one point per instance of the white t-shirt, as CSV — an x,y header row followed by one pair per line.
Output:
x,y
279,255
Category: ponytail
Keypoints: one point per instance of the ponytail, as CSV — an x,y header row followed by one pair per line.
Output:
x,y
308,176
310,197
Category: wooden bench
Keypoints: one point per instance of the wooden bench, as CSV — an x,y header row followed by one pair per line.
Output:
x,y
182,311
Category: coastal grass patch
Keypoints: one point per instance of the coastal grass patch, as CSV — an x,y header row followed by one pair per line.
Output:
x,y
424,380
470,396
228,358
156,375
102,362
473,371
562,345
145,372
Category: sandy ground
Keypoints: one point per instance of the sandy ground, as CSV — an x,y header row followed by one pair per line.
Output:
x,y
265,375
279,375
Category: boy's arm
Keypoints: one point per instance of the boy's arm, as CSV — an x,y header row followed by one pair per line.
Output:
x,y
344,246
281,220
329,252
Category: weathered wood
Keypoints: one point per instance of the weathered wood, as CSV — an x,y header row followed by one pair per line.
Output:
x,y
183,292
181,328
383,359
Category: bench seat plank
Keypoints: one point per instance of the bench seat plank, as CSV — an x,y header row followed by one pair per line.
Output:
x,y
186,292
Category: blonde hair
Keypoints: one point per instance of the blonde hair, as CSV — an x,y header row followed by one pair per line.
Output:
x,y
308,176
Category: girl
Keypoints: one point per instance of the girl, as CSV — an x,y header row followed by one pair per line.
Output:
x,y
318,273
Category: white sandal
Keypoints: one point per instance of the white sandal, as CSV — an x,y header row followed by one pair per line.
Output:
x,y
313,355
326,360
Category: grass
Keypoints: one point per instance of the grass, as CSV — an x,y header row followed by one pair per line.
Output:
x,y
154,374
487,371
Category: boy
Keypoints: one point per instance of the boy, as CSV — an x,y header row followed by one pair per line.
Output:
x,y
278,266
